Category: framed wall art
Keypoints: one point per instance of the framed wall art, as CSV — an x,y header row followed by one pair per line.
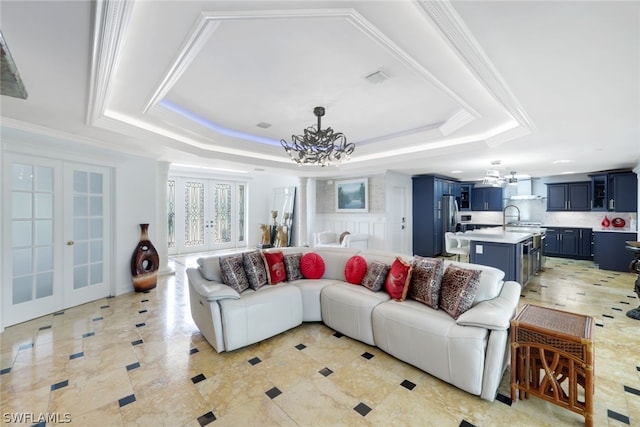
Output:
x,y
352,195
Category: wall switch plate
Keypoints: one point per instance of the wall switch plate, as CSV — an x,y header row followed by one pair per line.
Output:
x,y
479,249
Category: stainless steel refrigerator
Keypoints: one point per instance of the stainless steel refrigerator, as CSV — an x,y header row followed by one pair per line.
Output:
x,y
449,218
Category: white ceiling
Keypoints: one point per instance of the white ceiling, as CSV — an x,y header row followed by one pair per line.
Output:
x,y
527,83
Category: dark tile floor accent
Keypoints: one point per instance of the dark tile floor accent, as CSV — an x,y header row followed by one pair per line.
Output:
x,y
42,328
408,385
504,399
76,355
59,385
325,371
198,378
273,393
138,325
254,361
338,335
126,400
193,351
88,334
362,409
367,355
206,419
97,319
301,346
143,311
133,366
618,417
632,390
465,423
137,342
5,371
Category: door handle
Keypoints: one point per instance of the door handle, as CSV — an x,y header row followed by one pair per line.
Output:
x,y
70,243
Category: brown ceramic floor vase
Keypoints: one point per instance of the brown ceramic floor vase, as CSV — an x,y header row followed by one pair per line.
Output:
x,y
144,262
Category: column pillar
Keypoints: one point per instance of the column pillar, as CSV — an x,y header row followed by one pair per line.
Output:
x,y
301,214
161,230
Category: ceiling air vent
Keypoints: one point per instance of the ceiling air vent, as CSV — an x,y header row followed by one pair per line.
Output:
x,y
377,77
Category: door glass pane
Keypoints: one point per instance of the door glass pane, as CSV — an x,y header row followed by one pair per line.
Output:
x,y
44,259
44,232
44,179
22,262
95,183
44,205
241,213
80,184
222,209
96,228
80,253
21,205
194,214
80,229
95,204
80,207
44,284
80,277
21,233
96,273
171,210
96,251
22,177
22,289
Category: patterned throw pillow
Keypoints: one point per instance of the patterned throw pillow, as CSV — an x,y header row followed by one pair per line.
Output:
x,y
254,268
376,275
398,279
355,269
292,266
425,280
312,265
458,290
274,261
232,272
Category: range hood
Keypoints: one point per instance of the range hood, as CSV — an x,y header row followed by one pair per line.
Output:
x,y
523,191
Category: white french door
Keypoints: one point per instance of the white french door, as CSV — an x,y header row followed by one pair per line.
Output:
x,y
205,214
397,228
56,218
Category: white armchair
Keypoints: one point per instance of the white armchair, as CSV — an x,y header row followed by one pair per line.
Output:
x,y
455,244
344,240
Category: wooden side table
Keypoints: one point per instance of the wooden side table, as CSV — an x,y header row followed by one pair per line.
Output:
x,y
552,357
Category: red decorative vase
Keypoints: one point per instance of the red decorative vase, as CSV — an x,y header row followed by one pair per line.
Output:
x,y
144,262
605,222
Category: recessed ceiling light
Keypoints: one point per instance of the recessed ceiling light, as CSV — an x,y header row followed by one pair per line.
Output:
x,y
567,173
556,162
455,172
377,77
264,125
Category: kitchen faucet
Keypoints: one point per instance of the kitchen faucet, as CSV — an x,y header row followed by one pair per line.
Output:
x,y
504,215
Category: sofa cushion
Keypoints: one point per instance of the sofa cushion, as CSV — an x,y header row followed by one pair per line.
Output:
x,y
232,271
425,280
398,279
210,268
312,266
355,269
274,261
458,290
254,269
375,276
292,266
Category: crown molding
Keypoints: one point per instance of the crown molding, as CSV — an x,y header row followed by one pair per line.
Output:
x,y
110,26
447,20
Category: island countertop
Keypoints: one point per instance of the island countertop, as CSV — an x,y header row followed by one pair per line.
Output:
x,y
495,235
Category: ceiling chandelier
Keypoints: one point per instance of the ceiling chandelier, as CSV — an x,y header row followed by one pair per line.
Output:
x,y
317,146
492,177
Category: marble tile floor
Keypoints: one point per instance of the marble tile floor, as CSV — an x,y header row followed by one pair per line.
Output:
x,y
137,359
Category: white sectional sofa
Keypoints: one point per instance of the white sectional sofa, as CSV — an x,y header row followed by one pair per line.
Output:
x,y
470,352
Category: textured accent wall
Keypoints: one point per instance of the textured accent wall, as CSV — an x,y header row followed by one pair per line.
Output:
x,y
326,195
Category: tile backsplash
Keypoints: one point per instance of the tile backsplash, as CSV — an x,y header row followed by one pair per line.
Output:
x,y
536,211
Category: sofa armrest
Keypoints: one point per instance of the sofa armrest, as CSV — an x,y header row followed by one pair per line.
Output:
x,y
209,289
495,314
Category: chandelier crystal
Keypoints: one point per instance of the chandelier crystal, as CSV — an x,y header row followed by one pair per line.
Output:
x,y
318,146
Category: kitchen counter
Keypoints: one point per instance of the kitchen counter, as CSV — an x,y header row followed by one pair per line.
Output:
x,y
496,235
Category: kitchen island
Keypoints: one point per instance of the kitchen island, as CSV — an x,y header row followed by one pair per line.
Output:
x,y
509,251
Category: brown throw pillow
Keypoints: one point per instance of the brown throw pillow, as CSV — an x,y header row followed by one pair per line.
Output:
x,y
292,266
254,269
425,280
375,276
232,272
458,290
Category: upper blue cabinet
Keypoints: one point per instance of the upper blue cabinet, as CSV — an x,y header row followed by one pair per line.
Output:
x,y
570,196
615,192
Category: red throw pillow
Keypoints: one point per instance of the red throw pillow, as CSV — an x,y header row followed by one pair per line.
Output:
x,y
355,269
275,266
398,279
312,265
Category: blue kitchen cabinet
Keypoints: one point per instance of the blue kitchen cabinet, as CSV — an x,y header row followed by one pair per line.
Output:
x,y
486,199
609,251
465,197
599,192
565,242
428,236
623,192
572,196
